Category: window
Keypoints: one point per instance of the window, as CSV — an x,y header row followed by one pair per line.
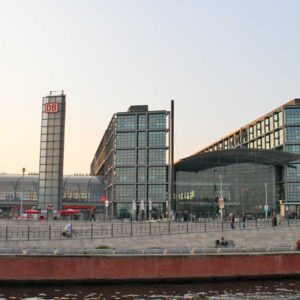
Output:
x,y
157,174
157,139
141,157
141,174
141,121
125,157
124,193
157,157
292,134
125,175
157,193
125,140
292,116
142,142
126,122
157,121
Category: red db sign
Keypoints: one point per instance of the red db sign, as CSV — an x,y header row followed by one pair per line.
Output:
x,y
51,107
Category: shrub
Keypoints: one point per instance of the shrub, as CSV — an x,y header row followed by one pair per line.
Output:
x,y
102,247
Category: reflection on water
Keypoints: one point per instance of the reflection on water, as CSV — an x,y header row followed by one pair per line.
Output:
x,y
285,289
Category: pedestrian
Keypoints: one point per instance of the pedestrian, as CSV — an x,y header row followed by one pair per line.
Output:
x,y
274,220
92,213
244,218
68,230
232,221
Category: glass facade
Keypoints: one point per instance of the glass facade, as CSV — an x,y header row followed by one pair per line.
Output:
x,y
137,173
52,151
247,180
76,190
280,130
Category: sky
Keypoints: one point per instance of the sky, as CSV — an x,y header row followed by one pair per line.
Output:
x,y
224,62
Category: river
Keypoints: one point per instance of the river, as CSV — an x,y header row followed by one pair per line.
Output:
x,y
287,289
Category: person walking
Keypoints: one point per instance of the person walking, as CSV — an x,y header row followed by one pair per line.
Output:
x,y
244,218
92,213
232,220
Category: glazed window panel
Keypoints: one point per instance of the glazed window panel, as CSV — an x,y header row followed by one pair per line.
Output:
x,y
125,140
156,156
157,193
157,174
157,121
124,193
126,122
292,134
141,121
125,175
292,116
142,157
157,139
142,141
125,157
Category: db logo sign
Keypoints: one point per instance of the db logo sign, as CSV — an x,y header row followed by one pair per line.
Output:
x,y
51,107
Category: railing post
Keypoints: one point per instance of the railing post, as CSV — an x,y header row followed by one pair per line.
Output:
x,y
288,219
28,232
112,229
131,226
256,223
150,227
92,231
204,224
169,227
187,226
49,232
6,232
222,223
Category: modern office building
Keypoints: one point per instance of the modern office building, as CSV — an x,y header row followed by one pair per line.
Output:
x,y
278,130
132,156
52,151
76,191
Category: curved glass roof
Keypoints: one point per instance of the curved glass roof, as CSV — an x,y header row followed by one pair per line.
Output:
x,y
201,161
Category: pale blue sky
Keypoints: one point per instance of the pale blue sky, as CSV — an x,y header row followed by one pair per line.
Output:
x,y
223,62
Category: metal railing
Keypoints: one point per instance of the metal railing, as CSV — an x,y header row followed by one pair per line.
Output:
x,y
53,230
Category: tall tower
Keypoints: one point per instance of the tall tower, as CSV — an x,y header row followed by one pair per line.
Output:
x,y
52,151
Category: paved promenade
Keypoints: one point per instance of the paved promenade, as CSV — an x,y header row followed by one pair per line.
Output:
x,y
252,237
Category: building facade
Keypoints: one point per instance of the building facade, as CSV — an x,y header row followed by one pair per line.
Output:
x,y
76,190
132,156
52,151
279,130
246,180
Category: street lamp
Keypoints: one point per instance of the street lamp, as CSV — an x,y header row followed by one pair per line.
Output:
x,y
22,194
221,200
266,203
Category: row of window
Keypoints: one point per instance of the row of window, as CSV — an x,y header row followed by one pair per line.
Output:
x,y
52,122
260,129
268,141
130,122
131,157
52,99
128,193
128,139
132,175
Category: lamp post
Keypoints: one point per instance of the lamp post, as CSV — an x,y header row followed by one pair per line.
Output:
x,y
22,195
266,198
221,196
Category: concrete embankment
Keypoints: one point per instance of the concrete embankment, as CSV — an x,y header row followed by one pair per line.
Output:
x,y
248,238
148,265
